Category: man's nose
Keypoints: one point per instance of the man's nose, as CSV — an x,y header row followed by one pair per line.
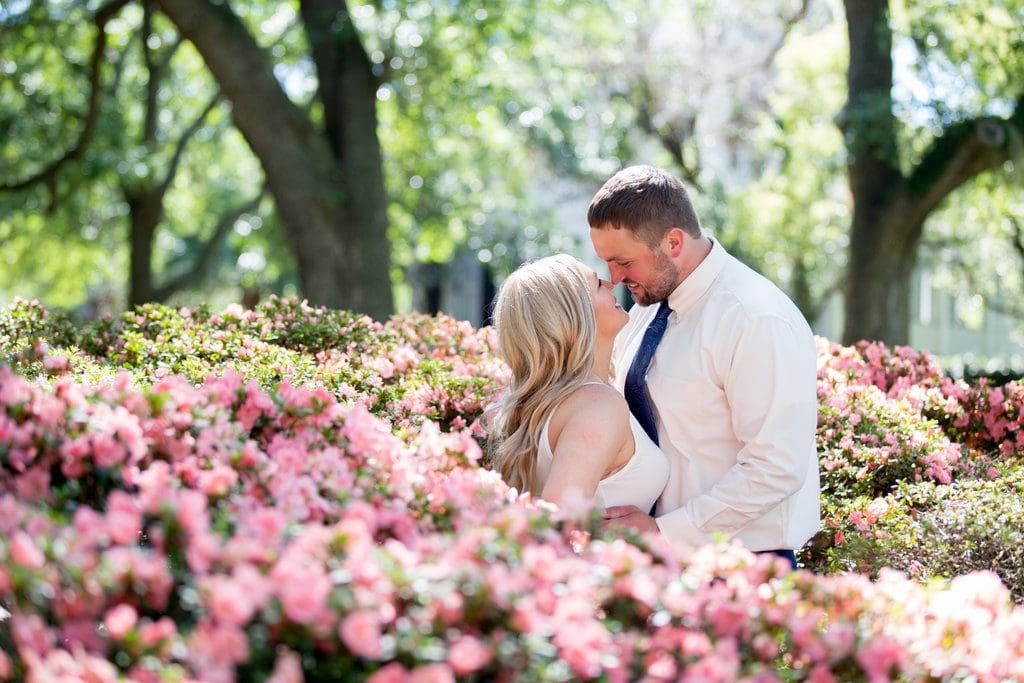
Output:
x,y
616,273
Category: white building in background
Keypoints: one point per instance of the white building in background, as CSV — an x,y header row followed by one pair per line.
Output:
x,y
462,288
992,341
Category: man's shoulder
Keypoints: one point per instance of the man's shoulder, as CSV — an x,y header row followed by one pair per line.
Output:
x,y
752,295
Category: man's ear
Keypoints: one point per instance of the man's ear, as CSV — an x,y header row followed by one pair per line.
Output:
x,y
674,240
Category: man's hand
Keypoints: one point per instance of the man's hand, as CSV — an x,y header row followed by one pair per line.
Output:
x,y
629,516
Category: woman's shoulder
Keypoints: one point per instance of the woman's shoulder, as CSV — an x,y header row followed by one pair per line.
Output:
x,y
595,403
598,392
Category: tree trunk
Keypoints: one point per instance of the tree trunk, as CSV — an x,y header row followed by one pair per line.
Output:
x,y
329,192
878,284
890,208
874,290
145,211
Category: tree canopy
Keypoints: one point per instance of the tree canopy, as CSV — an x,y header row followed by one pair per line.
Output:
x,y
325,146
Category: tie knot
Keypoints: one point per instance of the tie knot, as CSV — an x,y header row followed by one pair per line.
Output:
x,y
663,310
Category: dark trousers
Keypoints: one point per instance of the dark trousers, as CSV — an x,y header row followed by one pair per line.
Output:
x,y
788,555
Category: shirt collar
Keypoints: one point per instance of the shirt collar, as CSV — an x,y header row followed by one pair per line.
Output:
x,y
699,281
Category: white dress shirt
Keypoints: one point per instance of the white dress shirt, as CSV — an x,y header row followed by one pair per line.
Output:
x,y
733,387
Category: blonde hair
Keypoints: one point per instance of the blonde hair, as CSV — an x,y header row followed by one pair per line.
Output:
x,y
546,333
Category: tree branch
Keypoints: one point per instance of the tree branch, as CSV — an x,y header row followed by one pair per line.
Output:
x,y
293,153
788,23
1018,236
964,150
50,173
202,262
153,73
183,141
671,138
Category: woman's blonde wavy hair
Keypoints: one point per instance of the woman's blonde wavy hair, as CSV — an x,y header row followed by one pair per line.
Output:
x,y
546,333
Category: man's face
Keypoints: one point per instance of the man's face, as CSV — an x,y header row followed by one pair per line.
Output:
x,y
649,274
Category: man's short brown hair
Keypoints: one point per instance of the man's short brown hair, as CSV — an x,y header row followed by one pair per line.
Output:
x,y
645,200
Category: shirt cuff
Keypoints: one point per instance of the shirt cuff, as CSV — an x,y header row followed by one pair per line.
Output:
x,y
677,527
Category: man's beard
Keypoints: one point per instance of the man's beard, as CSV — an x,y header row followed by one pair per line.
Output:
x,y
666,280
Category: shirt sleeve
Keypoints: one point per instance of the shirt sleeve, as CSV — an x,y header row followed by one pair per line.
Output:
x,y
770,384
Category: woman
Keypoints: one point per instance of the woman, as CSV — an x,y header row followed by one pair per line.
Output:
x,y
560,427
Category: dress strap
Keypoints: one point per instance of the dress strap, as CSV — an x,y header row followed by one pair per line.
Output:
x,y
595,382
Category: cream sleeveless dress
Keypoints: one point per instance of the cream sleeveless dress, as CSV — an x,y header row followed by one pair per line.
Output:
x,y
639,482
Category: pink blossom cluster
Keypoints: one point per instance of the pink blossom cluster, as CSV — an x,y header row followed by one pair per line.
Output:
x,y
992,418
982,417
868,442
893,434
407,370
222,532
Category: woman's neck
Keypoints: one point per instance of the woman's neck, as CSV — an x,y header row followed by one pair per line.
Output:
x,y
603,359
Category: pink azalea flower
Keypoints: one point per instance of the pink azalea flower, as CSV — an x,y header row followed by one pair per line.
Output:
x,y
821,674
228,601
392,672
467,654
25,552
728,619
303,592
360,631
287,668
432,673
880,657
123,519
152,633
14,390
120,620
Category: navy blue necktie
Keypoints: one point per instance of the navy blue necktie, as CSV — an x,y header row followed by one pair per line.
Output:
x,y
635,389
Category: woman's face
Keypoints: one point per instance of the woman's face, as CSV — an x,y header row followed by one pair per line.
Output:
x,y
611,317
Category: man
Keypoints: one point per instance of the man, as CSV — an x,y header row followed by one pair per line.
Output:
x,y
719,367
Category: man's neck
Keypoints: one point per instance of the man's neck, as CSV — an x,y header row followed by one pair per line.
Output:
x,y
696,251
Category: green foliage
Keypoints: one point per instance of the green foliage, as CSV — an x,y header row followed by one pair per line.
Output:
x,y
414,368
469,117
969,56
792,221
24,323
929,530
68,241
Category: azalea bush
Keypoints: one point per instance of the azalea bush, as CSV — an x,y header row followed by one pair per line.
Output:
x,y
410,369
920,472
932,530
291,494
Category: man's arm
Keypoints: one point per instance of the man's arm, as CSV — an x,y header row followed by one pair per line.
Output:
x,y
771,389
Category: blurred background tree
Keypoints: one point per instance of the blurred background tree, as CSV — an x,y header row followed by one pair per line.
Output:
x,y
953,115
197,150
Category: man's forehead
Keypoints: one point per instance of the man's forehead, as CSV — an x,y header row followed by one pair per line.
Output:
x,y
614,243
